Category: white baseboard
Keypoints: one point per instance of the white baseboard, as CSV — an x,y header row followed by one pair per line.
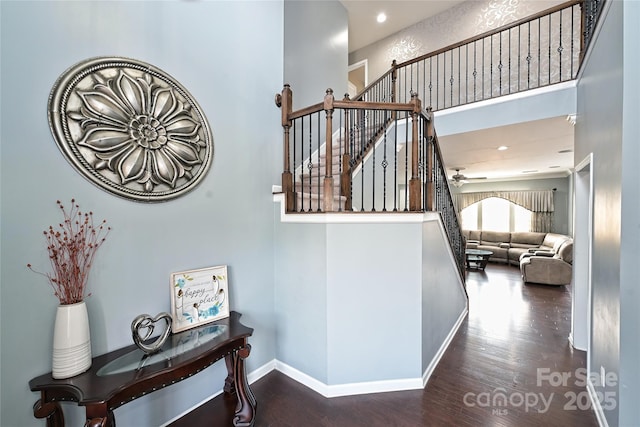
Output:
x,y
252,377
436,359
349,389
573,344
595,404
263,370
338,390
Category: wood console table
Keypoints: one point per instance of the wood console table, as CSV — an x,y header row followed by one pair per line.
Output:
x,y
123,375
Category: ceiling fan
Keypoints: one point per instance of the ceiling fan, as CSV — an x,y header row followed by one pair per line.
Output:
x,y
458,180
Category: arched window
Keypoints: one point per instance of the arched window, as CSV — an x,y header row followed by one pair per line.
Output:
x,y
538,202
496,214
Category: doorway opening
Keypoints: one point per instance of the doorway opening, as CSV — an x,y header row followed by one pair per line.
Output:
x,y
583,237
358,77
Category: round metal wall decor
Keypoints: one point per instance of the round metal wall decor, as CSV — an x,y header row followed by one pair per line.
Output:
x,y
130,128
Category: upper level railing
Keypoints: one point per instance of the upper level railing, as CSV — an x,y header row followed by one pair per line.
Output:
x,y
538,51
356,156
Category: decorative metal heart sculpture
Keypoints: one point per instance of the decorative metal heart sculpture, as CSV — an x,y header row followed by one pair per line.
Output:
x,y
145,323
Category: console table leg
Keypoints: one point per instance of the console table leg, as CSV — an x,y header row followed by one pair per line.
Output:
x,y
49,410
229,382
246,407
99,416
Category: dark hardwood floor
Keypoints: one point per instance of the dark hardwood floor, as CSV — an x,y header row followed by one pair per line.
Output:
x,y
499,370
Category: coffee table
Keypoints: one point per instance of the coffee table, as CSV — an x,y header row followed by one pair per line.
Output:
x,y
477,258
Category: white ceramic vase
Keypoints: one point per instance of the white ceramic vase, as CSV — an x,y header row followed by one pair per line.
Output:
x,y
71,341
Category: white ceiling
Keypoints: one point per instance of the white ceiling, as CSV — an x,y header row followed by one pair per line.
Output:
x,y
533,146
533,151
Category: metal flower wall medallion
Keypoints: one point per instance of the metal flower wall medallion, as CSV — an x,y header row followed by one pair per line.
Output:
x,y
130,128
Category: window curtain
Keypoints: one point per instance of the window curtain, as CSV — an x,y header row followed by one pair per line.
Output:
x,y
539,202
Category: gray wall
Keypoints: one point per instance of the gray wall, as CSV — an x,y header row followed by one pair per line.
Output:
x,y
437,275
563,213
301,296
607,126
630,224
315,50
599,130
230,59
397,286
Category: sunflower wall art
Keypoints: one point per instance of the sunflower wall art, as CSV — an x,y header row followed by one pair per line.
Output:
x,y
130,128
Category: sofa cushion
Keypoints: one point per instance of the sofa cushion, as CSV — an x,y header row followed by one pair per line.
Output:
x,y
494,238
553,241
565,252
499,254
523,239
515,254
474,235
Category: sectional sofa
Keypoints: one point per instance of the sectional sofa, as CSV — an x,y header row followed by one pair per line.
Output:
x,y
542,257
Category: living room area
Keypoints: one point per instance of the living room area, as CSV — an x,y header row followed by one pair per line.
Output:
x,y
498,228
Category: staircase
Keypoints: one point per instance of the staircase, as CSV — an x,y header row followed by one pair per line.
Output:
x,y
310,176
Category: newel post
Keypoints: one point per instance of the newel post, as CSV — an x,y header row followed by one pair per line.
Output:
x,y
328,178
415,184
284,101
394,79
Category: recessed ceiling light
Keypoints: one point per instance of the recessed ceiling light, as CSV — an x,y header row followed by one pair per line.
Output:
x,y
553,167
381,17
502,148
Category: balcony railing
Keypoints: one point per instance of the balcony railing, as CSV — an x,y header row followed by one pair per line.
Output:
x,y
538,51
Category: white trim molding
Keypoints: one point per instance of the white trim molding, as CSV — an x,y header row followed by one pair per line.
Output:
x,y
443,348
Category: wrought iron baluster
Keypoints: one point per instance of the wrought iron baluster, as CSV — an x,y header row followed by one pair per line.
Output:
x,y
451,80
572,35
491,67
483,67
549,24
500,66
395,163
302,157
539,52
310,163
341,136
560,48
519,46
372,141
411,88
295,144
437,81
431,82
529,56
362,150
509,62
424,79
320,187
384,167
406,161
475,70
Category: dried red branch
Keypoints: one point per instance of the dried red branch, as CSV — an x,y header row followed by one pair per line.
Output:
x,y
72,247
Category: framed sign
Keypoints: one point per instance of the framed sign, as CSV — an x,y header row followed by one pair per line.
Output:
x,y
198,297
